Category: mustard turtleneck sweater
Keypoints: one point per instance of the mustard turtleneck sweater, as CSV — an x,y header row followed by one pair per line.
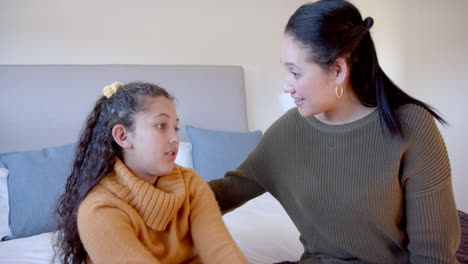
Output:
x,y
124,219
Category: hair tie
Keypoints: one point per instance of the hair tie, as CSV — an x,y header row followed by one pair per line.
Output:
x,y
368,22
110,90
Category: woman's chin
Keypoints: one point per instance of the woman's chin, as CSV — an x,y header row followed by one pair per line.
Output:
x,y
305,112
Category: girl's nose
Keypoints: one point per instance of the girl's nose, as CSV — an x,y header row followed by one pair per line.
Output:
x,y
174,138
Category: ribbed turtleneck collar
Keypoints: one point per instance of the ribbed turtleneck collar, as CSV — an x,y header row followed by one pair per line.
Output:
x,y
157,205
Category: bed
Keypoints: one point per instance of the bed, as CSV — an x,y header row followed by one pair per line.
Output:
x,y
43,108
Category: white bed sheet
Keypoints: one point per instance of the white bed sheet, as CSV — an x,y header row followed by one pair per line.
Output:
x,y
261,228
264,232
29,250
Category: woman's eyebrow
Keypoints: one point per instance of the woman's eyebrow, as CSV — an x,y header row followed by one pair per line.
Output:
x,y
166,115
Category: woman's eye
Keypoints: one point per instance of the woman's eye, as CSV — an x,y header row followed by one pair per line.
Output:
x,y
177,129
161,126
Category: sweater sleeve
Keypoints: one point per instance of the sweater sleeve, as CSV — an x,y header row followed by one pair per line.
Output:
x,y
431,216
253,177
242,184
108,237
211,238
234,190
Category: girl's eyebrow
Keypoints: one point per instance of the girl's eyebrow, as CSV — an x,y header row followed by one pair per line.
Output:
x,y
291,64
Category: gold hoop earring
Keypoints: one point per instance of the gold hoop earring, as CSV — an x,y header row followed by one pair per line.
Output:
x,y
340,93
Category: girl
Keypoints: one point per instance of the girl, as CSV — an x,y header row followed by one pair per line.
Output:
x,y
125,199
359,165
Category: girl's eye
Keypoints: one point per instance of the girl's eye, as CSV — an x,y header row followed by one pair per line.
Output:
x,y
177,129
295,74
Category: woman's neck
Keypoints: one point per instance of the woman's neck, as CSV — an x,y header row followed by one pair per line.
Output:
x,y
348,109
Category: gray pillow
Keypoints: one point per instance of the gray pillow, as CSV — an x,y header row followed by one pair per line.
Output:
x,y
36,179
216,152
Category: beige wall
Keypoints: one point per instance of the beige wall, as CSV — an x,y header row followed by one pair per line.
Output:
x,y
154,32
436,60
421,45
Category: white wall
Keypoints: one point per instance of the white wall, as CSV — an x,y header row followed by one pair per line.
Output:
x,y
421,45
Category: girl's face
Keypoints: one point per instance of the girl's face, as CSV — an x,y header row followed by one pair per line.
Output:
x,y
311,87
154,139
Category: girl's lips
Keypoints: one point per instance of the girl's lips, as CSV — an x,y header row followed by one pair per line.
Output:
x,y
171,154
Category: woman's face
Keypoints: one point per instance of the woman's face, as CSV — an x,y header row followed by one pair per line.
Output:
x,y
311,87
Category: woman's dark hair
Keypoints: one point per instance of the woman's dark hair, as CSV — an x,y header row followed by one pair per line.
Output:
x,y
329,29
94,158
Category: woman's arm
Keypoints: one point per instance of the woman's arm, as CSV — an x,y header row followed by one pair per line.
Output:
x,y
212,240
109,237
234,190
251,178
241,185
431,216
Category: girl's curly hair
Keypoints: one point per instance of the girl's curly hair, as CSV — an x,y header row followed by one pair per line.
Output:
x,y
94,158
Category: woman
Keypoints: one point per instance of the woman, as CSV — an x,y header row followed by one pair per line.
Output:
x,y
359,165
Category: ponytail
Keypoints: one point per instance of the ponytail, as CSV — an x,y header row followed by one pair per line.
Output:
x,y
374,88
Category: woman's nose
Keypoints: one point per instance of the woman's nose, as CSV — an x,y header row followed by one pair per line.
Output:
x,y
287,88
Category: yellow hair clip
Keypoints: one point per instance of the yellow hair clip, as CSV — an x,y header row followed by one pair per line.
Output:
x,y
110,90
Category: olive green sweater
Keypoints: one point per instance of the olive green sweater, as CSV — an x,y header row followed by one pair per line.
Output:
x,y
355,193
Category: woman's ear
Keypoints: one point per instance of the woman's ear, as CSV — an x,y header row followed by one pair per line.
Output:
x,y
340,70
121,136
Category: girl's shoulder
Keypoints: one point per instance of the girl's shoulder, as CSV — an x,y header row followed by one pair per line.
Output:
x,y
98,201
99,196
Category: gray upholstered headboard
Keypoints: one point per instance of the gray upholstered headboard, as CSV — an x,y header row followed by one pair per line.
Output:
x,y
46,105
